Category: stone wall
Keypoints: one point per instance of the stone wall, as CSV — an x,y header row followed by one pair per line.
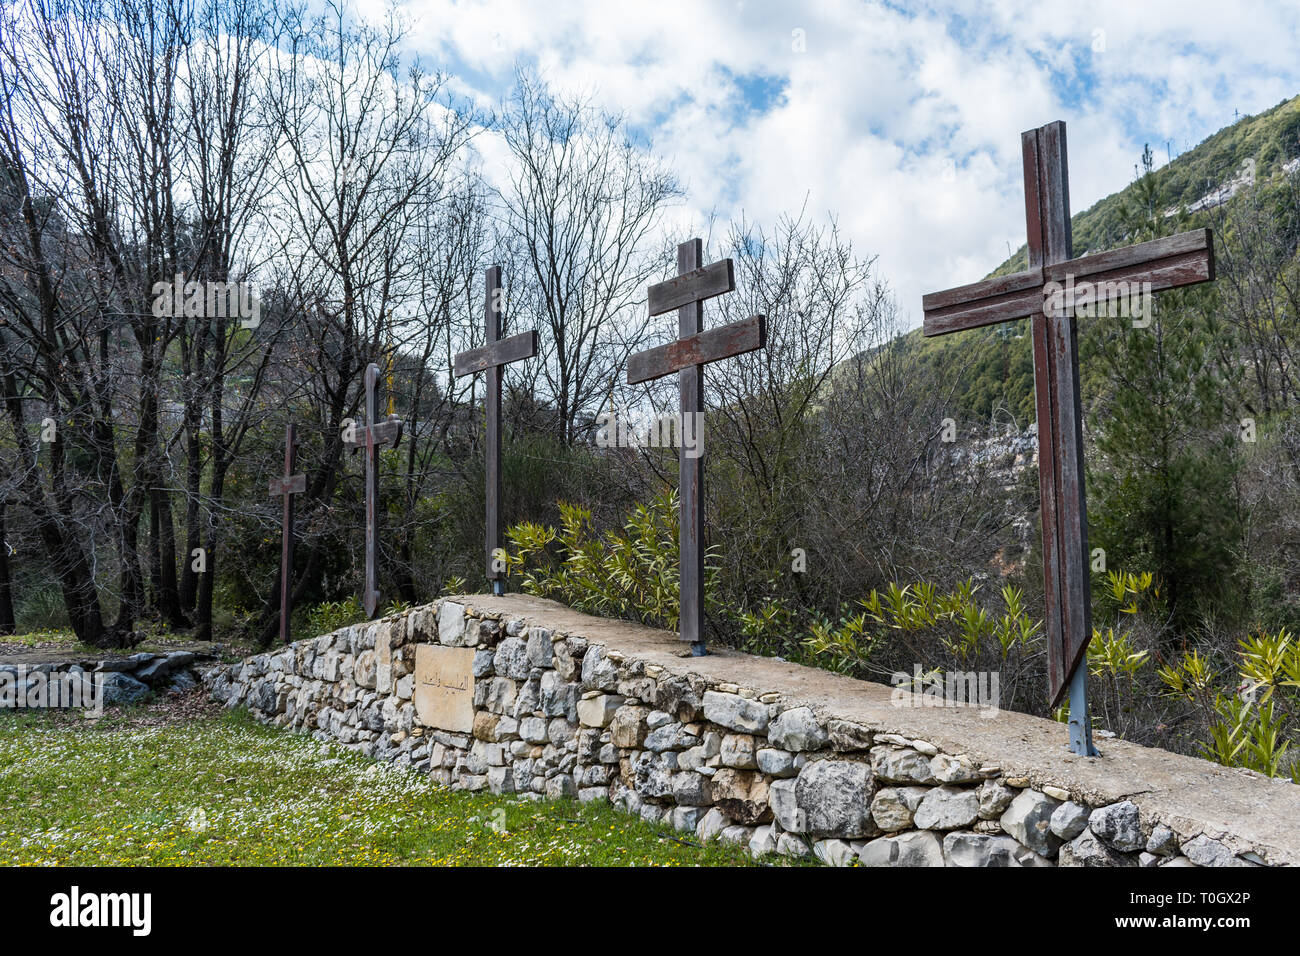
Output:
x,y
544,702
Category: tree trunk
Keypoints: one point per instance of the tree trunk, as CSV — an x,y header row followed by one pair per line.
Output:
x,y
189,583
207,580
7,623
162,559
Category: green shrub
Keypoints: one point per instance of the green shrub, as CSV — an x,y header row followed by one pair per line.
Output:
x,y
1251,713
330,616
926,620
41,609
630,573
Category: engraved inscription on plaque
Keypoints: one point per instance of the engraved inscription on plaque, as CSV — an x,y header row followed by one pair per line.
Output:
x,y
384,660
444,687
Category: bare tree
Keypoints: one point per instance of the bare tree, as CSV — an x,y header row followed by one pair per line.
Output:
x,y
88,134
583,204
365,161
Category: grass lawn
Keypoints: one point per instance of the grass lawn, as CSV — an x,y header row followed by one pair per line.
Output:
x,y
56,644
178,783
51,638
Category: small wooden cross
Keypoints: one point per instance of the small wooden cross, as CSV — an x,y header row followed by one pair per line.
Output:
x,y
693,349
372,437
490,358
287,486
1184,259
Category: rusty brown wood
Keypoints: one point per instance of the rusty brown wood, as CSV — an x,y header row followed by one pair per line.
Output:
x,y
1060,425
747,335
690,470
287,486
1167,263
496,353
371,437
385,432
697,285
1184,259
490,358
1011,288
687,356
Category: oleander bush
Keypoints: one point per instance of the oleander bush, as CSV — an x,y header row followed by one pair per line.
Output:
x,y
1239,713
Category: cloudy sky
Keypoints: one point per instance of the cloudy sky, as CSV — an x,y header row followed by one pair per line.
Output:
x,y
900,119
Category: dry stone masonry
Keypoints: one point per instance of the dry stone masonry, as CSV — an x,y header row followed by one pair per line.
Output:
x,y
120,680
519,695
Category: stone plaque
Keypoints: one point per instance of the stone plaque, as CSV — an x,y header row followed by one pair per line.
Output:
x,y
444,687
383,658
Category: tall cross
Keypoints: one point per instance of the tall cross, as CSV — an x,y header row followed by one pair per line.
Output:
x,y
490,358
287,486
1184,259
372,437
693,349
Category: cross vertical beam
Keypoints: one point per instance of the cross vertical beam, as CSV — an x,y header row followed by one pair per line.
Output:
x,y
687,356
490,358
371,438
690,470
287,486
371,595
1063,514
492,430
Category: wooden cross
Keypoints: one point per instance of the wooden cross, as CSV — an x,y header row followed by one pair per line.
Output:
x,y
1184,259
490,358
372,437
693,349
287,486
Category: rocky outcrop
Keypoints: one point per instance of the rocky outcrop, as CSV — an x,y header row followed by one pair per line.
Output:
x,y
109,682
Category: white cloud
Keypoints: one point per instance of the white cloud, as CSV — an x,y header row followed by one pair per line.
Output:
x,y
905,124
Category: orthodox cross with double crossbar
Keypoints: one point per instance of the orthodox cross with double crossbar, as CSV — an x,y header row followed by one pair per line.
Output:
x,y
287,486
694,349
372,437
490,358
1184,259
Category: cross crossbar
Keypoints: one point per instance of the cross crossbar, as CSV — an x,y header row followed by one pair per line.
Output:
x,y
697,285
747,335
501,352
1166,263
387,432
292,485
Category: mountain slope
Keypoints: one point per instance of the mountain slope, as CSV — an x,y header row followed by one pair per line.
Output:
x,y
994,364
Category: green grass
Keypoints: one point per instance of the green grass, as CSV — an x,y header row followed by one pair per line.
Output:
x,y
42,639
157,640
224,790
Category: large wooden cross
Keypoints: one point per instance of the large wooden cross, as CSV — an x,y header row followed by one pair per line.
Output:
x,y
490,358
693,349
372,437
1184,259
287,486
